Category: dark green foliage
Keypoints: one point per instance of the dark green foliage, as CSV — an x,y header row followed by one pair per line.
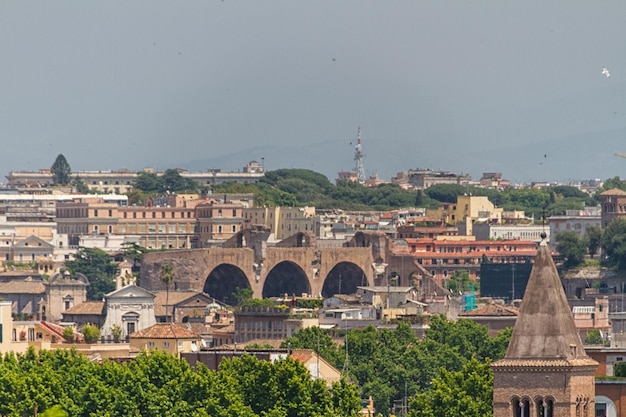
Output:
x,y
571,248
594,337
80,186
611,183
460,282
614,243
170,180
593,239
61,171
387,362
157,384
98,267
446,193
619,369
467,393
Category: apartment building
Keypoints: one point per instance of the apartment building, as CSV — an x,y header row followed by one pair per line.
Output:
x,y
575,220
281,221
121,181
443,256
217,222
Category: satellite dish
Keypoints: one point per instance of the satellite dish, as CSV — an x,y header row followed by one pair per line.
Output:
x,y
194,347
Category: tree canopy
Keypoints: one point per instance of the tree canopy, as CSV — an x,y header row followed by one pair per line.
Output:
x,y
613,243
98,267
301,187
61,171
389,364
63,382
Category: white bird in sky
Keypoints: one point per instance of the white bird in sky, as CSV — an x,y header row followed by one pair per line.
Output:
x,y
605,72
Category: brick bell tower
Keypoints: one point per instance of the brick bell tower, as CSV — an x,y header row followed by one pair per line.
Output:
x,y
546,372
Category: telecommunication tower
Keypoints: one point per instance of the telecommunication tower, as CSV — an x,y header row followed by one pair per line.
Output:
x,y
358,159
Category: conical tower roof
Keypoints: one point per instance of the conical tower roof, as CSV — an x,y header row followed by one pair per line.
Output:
x,y
545,328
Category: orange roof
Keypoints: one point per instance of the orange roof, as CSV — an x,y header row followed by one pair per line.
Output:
x,y
164,331
494,310
22,287
613,191
87,307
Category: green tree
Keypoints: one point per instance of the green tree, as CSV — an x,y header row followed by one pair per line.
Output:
x,y
80,186
171,180
619,369
68,334
445,193
166,275
612,183
242,295
91,333
148,182
467,393
98,267
613,243
593,239
571,248
594,337
314,338
460,282
61,171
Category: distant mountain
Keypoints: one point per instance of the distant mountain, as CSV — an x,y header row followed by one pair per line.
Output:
x,y
584,156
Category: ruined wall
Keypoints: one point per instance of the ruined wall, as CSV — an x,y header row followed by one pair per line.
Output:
x,y
191,267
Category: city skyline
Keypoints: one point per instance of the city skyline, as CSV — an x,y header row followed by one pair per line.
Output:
x,y
514,88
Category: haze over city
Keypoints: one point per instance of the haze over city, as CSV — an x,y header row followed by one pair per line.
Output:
x,y
515,87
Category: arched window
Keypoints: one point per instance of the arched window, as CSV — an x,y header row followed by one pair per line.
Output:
x,y
545,407
520,407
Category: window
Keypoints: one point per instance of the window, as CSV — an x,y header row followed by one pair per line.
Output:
x,y
95,213
150,344
166,344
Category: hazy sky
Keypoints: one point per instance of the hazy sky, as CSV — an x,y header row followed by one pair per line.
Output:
x,y
131,84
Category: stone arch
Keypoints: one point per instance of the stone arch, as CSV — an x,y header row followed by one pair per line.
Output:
x,y
223,281
344,278
286,278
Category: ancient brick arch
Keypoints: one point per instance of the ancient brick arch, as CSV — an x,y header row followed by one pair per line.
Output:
x,y
193,267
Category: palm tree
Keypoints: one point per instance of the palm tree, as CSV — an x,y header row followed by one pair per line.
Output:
x,y
166,274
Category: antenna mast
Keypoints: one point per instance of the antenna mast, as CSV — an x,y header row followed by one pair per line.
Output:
x,y
358,158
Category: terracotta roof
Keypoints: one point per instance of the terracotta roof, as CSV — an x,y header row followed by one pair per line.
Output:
x,y
87,307
22,287
175,297
58,330
545,328
165,331
492,310
613,191
559,363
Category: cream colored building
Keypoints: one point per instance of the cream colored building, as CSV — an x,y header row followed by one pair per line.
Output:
x,y
63,291
167,337
131,308
282,221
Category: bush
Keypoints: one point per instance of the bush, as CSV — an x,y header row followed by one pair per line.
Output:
x,y
91,333
619,369
68,334
116,332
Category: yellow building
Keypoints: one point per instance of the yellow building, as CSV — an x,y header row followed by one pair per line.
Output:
x,y
467,210
281,221
167,337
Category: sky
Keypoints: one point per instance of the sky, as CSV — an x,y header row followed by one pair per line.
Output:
x,y
464,86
